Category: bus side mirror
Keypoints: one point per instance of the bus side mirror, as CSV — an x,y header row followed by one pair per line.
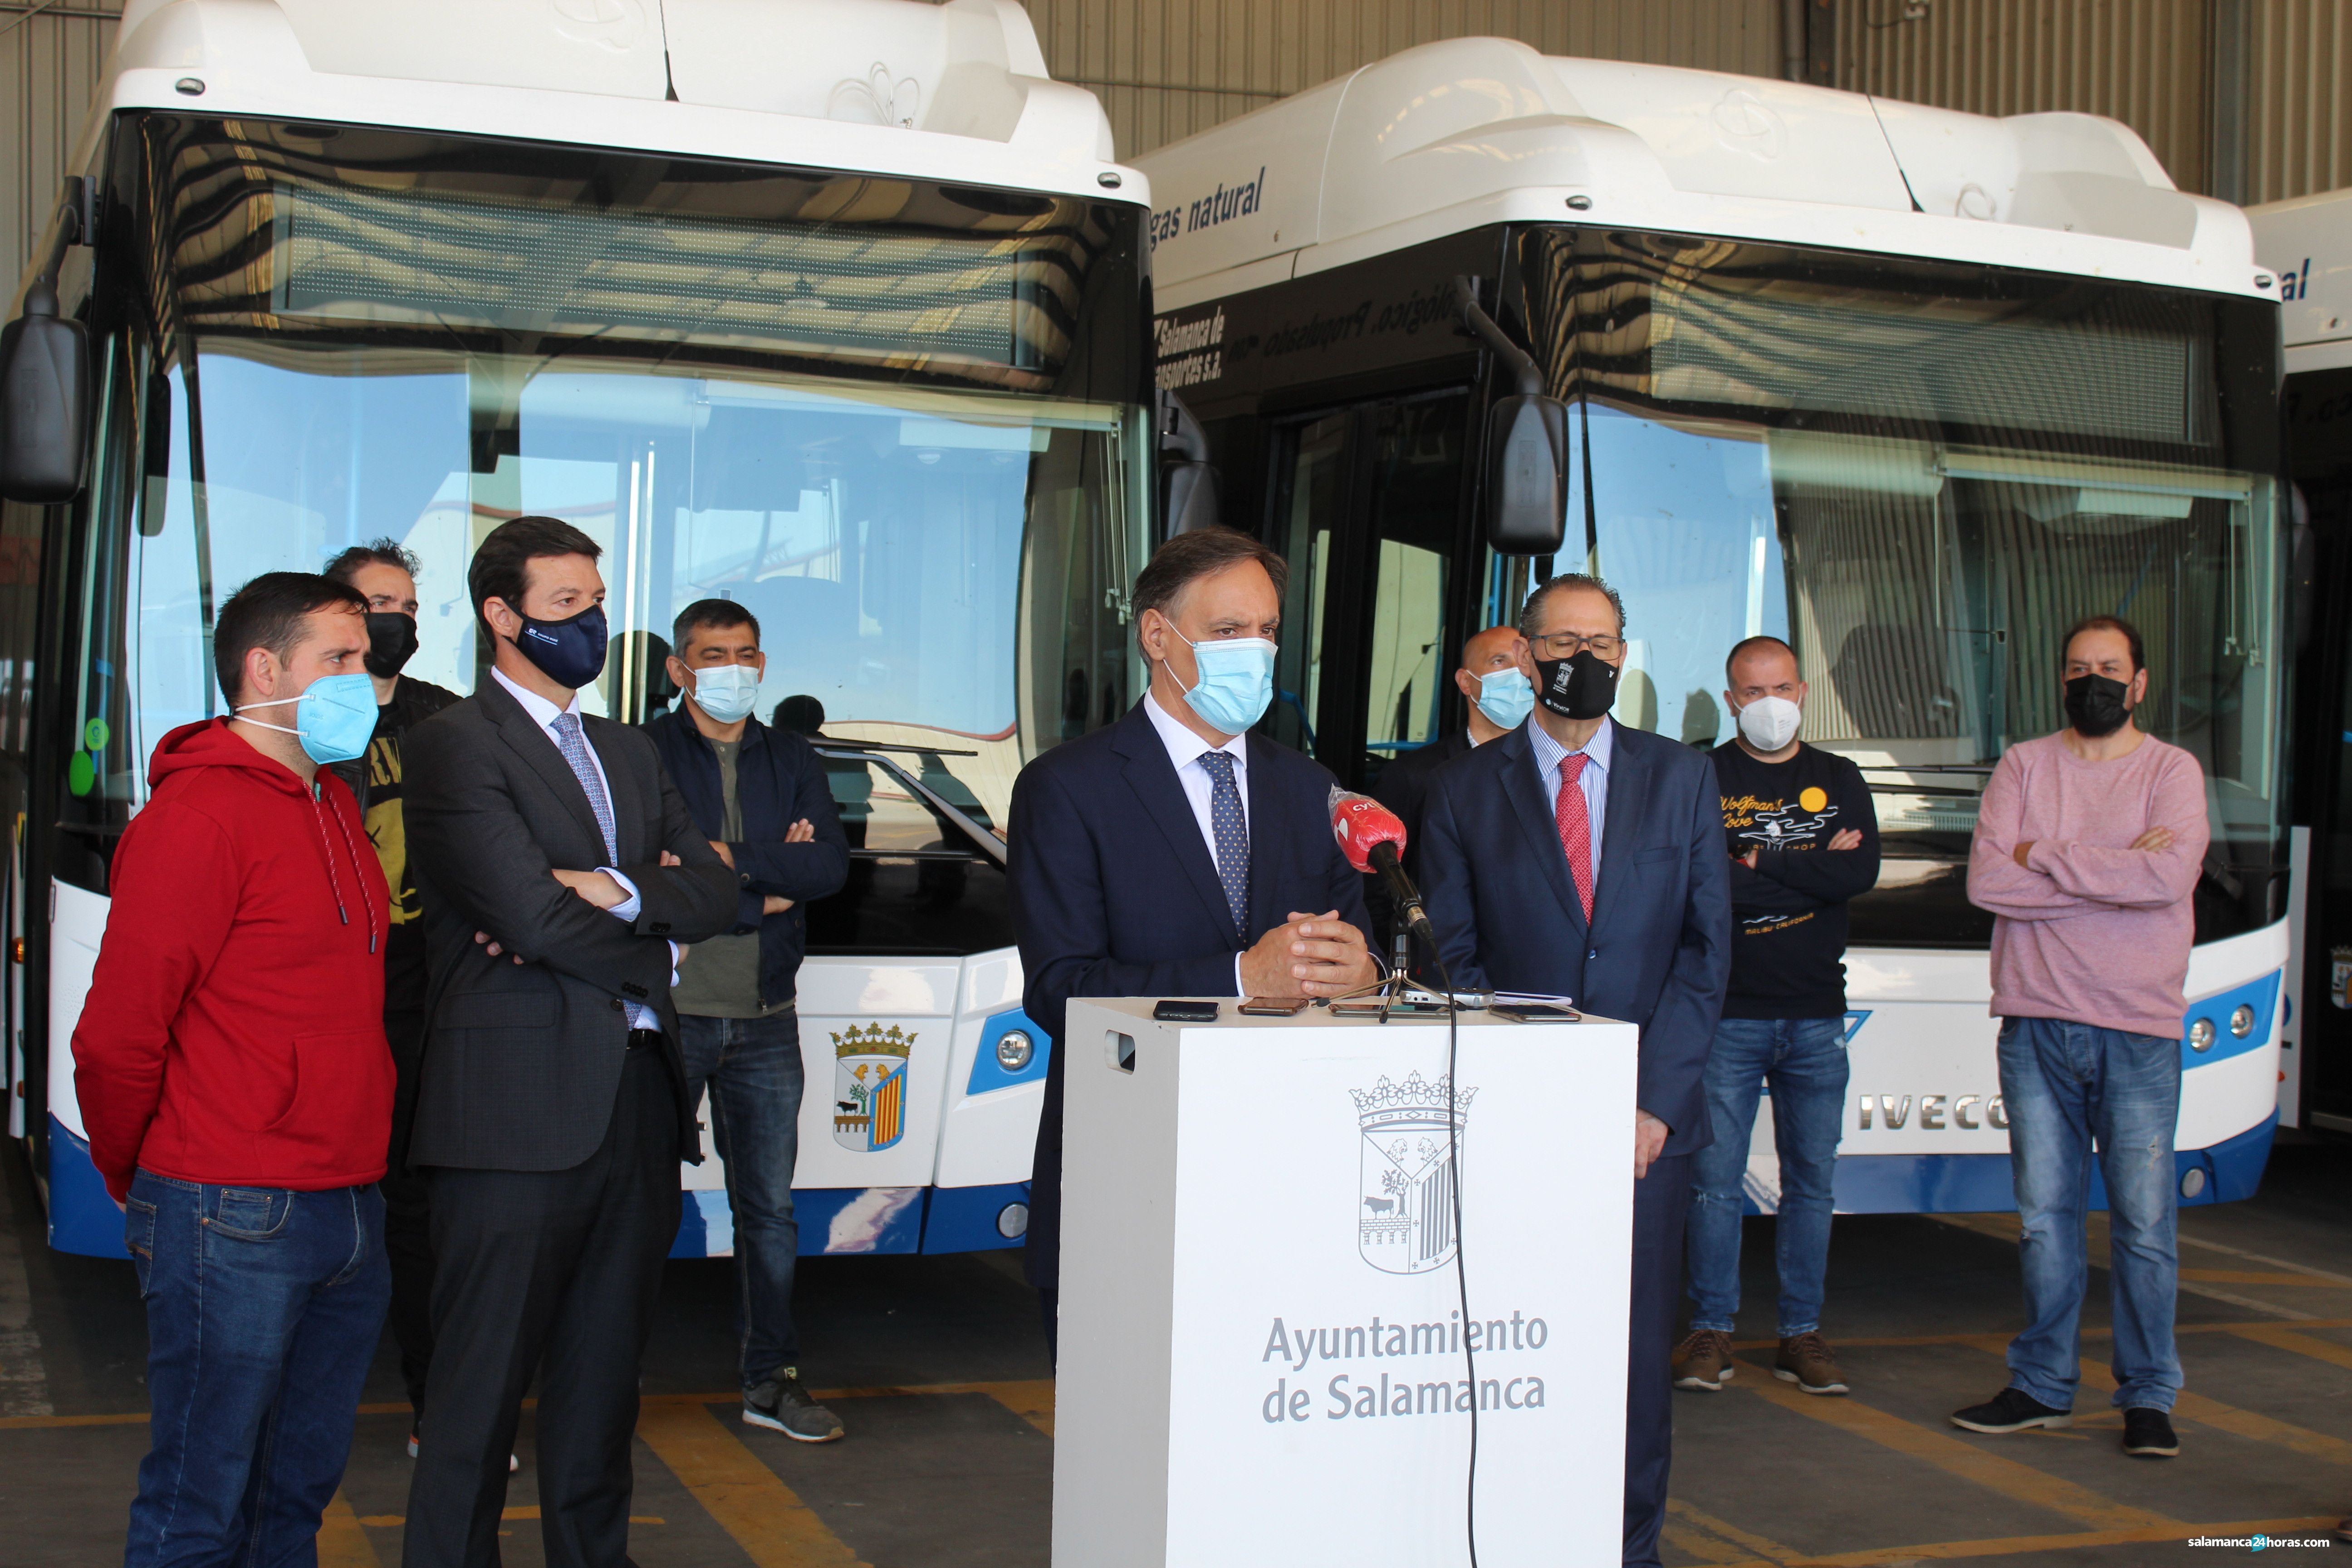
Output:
x,y
43,402
1525,490
1188,481
1527,475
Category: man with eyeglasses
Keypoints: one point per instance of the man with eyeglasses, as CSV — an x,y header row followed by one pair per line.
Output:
x,y
1578,857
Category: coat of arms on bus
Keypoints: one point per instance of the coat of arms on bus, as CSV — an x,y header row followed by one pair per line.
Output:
x,y
1412,1135
869,1087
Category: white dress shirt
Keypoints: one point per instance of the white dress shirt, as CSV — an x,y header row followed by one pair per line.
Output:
x,y
1185,749
544,714
1593,782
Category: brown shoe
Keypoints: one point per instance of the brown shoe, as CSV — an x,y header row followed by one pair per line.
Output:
x,y
1806,1362
1703,1359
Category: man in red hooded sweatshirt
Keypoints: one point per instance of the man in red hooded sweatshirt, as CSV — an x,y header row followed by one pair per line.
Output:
x,y
237,1090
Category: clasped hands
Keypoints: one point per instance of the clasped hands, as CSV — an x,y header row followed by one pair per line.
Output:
x,y
1307,955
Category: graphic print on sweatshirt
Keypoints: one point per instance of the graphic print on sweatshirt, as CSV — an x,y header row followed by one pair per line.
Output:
x,y
1805,823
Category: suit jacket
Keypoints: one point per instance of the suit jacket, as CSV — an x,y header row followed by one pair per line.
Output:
x,y
1658,951
523,1062
1114,893
1403,788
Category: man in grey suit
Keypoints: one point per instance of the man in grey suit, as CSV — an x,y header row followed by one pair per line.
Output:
x,y
559,870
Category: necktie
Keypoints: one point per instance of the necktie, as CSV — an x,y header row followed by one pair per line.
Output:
x,y
1576,828
1232,830
575,747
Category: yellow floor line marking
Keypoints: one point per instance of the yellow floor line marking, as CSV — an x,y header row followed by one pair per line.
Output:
x,y
2017,1545
1708,1549
750,1502
2020,1483
2236,1276
2300,1343
2004,1227
1032,1401
395,1520
1762,1547
342,1543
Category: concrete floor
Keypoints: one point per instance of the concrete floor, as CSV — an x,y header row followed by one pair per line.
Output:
x,y
938,1367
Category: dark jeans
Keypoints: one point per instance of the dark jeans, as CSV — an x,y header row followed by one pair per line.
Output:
x,y
752,1069
2067,1086
554,1273
263,1310
407,1213
1804,1061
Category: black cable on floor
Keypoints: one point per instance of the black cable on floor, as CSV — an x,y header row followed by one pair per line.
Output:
x,y
1461,1251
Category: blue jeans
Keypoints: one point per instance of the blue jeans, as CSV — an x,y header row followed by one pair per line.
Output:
x,y
753,1067
2066,1085
263,1310
1804,1061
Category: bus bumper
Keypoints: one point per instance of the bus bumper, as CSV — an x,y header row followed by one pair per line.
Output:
x,y
843,1220
1980,1183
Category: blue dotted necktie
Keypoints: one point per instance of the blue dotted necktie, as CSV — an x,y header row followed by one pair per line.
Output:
x,y
1232,829
575,747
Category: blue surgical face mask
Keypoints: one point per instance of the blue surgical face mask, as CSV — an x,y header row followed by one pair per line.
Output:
x,y
570,652
335,716
1505,697
1236,682
726,691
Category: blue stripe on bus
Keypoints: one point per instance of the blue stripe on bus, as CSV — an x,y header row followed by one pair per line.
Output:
x,y
988,1073
1980,1183
82,1218
2260,993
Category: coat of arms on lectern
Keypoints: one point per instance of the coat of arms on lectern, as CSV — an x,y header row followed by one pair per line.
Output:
x,y
869,1087
1411,1142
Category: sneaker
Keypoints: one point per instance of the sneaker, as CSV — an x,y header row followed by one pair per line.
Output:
x,y
781,1405
2148,1433
514,1463
1805,1360
2011,1410
1703,1359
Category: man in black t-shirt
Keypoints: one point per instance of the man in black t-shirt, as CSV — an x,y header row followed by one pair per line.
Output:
x,y
1803,840
387,574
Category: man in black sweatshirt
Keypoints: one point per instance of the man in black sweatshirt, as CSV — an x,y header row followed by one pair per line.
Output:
x,y
1803,840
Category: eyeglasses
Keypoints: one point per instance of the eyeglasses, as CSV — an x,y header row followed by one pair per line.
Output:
x,y
1563,645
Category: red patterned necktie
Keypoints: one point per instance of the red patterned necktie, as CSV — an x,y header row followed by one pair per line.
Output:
x,y
1576,828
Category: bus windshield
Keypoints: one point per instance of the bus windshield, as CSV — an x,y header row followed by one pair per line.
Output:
x,y
1919,476
896,424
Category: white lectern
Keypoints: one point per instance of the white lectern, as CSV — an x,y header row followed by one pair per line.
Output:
x,y
1263,1354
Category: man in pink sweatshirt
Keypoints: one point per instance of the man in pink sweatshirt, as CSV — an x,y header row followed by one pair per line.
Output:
x,y
2087,848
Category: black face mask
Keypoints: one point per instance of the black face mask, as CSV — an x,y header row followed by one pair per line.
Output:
x,y
1582,686
392,642
2096,705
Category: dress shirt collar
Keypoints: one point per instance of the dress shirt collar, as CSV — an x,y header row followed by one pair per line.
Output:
x,y
1549,753
1183,746
542,712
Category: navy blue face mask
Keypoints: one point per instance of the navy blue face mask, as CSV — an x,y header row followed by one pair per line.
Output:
x,y
570,652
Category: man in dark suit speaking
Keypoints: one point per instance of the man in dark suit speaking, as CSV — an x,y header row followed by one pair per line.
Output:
x,y
558,868
1581,858
1173,853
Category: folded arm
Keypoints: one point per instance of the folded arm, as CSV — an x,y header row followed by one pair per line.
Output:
x,y
801,872
2137,879
1825,875
170,916
476,849
1997,883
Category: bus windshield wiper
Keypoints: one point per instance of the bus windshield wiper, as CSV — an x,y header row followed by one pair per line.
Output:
x,y
979,833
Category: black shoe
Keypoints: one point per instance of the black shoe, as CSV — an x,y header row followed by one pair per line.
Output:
x,y
2148,1433
2014,1410
781,1405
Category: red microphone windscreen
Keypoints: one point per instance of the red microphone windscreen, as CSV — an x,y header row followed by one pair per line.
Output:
x,y
1358,822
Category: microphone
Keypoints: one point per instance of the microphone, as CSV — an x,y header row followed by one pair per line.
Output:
x,y
1372,838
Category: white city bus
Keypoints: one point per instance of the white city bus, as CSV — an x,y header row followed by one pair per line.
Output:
x,y
833,308
2308,242
1910,388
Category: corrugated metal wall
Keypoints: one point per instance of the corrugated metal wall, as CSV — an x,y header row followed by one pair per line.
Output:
x,y
1166,69
2299,67
51,60
2143,62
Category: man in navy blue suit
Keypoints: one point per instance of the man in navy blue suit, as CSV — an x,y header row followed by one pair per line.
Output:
x,y
1172,853
1578,857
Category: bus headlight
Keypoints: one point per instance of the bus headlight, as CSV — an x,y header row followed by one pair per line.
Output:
x,y
1013,1050
1012,1221
2241,1022
2200,1035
